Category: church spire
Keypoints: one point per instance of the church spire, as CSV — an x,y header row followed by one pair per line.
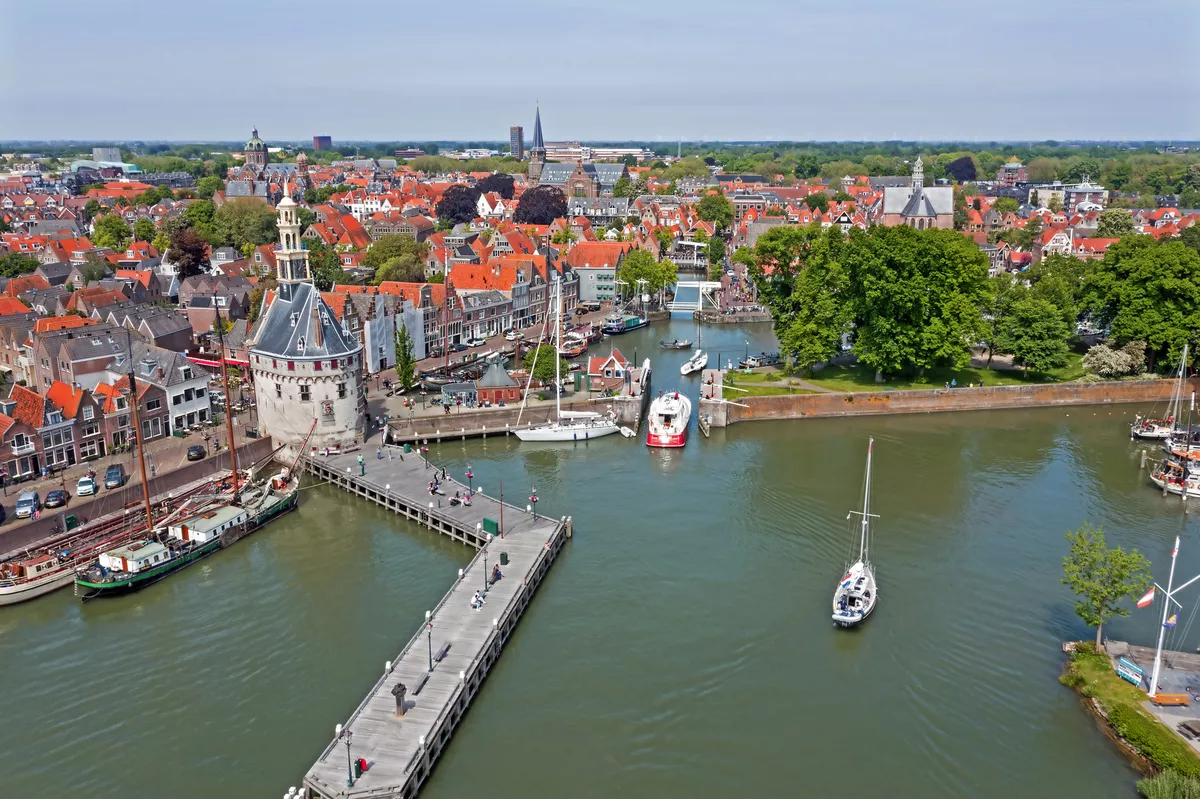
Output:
x,y
539,146
918,175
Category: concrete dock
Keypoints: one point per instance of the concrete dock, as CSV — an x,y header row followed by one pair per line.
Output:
x,y
401,743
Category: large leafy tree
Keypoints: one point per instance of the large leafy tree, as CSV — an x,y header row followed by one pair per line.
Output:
x,y
1060,280
539,361
1034,333
404,268
14,263
807,165
716,208
640,265
393,246
459,204
143,230
207,186
817,201
499,182
541,205
325,265
111,231
200,214
1101,577
962,169
918,297
189,252
1114,223
1148,290
245,220
802,279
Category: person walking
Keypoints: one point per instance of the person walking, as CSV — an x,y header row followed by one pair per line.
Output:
x,y
362,466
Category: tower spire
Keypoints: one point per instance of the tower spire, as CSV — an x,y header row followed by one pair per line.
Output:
x,y
539,146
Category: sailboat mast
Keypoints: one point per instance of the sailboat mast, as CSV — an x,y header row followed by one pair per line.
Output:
x,y
137,432
558,325
228,416
864,546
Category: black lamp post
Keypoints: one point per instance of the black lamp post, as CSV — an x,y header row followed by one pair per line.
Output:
x,y
429,630
533,501
470,479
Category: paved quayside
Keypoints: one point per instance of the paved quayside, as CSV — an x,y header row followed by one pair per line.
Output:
x,y
461,643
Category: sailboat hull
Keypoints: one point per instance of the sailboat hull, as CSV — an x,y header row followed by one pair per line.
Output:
x,y
855,596
567,432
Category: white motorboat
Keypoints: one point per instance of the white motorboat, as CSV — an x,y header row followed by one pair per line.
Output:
x,y
856,593
667,423
567,425
1162,429
697,362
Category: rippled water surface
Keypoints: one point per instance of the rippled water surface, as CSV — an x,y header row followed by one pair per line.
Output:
x,y
682,645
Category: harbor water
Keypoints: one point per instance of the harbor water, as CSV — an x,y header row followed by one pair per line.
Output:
x,y
682,645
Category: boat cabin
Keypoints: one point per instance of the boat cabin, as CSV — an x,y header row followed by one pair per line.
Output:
x,y
29,568
133,558
204,527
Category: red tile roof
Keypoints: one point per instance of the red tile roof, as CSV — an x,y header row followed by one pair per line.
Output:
x,y
11,305
69,322
65,397
30,408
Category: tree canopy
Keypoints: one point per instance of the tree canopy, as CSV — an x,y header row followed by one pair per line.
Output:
x,y
189,252
1101,577
1034,333
716,208
542,368
459,204
394,246
541,205
143,230
111,231
405,268
640,265
325,265
499,182
1114,223
243,221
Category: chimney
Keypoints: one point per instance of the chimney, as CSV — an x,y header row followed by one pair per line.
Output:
x,y
161,374
317,331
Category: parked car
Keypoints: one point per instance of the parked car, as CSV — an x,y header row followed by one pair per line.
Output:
x,y
477,342
510,335
56,498
581,311
458,347
27,504
114,476
195,453
86,486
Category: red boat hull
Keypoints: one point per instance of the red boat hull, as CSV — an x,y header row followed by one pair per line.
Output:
x,y
666,440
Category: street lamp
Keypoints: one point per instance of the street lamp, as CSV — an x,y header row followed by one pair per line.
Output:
x,y
747,350
485,571
429,630
533,501
470,478
344,735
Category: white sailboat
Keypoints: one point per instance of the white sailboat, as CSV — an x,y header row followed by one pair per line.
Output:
x,y
567,425
856,593
699,358
1162,429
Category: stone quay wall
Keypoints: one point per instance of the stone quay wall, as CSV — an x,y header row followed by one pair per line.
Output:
x,y
866,403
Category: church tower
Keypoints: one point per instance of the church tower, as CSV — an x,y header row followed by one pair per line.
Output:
x,y
256,151
537,153
918,175
302,178
291,259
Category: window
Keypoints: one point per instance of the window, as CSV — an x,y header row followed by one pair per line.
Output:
x,y
188,395
341,390
316,366
91,429
123,421
305,394
203,414
200,393
177,399
291,366
178,422
153,405
88,413
279,391
187,373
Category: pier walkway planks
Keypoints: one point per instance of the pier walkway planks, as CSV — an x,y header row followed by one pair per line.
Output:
x,y
401,750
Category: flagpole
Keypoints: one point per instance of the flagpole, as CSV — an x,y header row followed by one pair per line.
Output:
x,y
1162,628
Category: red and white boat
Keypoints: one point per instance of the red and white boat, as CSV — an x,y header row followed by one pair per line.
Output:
x,y
668,421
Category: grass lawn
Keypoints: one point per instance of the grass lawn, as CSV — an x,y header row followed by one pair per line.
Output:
x,y
765,391
862,378
756,384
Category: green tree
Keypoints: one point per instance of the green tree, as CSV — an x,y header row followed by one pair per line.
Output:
x,y
111,231
1101,577
817,201
563,236
539,361
623,187
919,296
716,208
406,364
1120,175
1034,333
808,290
640,265
404,268
715,251
1005,205
665,237
245,220
1060,279
95,267
325,265
91,209
1055,203
14,263
807,165
201,215
1114,223
1148,290
393,246
690,167
189,252
1003,290
256,298
206,187
143,230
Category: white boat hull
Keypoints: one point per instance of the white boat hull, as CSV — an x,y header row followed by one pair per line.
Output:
x,y
668,420
12,593
855,596
696,363
568,432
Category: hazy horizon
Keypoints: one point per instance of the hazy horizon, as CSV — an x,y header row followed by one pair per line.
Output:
x,y
929,71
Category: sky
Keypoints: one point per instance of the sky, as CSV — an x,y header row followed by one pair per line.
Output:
x,y
614,70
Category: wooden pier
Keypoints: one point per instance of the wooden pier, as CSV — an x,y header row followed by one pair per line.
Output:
x,y
401,742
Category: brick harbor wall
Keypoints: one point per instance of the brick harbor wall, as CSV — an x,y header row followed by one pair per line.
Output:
x,y
799,406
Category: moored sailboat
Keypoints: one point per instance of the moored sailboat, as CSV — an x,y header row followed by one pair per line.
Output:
x,y
1164,428
856,593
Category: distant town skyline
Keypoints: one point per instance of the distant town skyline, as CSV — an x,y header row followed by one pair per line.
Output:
x,y
931,70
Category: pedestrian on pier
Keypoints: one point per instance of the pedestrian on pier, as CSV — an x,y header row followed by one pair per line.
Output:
x,y
362,466
379,453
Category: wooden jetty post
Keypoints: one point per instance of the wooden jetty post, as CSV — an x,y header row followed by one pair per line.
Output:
x,y
406,720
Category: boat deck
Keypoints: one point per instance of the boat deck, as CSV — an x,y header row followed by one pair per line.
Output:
x,y
400,749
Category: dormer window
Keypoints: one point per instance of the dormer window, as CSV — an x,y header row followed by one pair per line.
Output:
x,y
300,344
187,373
53,417
295,319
